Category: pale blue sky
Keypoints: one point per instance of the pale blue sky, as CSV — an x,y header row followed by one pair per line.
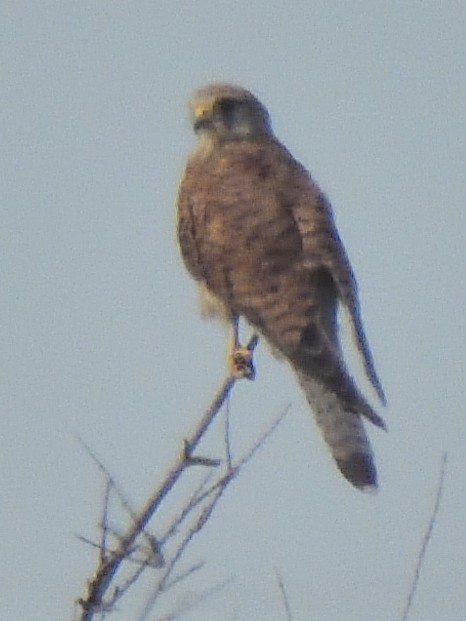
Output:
x,y
99,330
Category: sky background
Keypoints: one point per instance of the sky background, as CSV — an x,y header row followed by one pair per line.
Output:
x,y
99,329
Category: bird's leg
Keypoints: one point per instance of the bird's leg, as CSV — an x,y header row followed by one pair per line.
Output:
x,y
240,359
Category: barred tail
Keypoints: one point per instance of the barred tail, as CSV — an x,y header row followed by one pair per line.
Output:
x,y
344,433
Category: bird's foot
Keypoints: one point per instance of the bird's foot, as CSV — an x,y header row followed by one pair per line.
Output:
x,y
241,364
240,360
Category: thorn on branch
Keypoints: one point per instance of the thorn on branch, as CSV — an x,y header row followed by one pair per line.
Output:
x,y
191,460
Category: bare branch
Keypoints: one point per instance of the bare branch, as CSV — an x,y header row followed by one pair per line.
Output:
x,y
194,500
104,520
227,434
155,558
89,542
286,603
198,461
426,539
110,564
120,590
163,583
263,438
176,614
98,598
191,570
212,497
198,498
111,484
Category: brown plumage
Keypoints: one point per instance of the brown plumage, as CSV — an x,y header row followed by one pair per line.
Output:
x,y
258,234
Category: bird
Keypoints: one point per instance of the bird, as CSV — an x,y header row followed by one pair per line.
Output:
x,y
259,237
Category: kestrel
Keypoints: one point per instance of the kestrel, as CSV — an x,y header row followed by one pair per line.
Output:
x,y
259,237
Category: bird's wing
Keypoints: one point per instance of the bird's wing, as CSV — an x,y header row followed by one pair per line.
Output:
x,y
323,249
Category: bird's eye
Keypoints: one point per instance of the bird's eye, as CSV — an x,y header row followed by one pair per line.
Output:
x,y
227,108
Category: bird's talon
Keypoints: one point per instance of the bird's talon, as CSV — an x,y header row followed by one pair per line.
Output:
x,y
242,364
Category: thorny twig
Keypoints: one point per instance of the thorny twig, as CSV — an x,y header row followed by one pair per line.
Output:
x,y
111,486
110,561
215,492
98,586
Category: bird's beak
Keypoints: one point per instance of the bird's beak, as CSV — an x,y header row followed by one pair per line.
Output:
x,y
202,117
200,111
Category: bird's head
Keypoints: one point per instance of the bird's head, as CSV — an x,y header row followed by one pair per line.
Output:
x,y
227,112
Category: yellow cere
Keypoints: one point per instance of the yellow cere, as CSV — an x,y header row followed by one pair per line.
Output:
x,y
200,110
